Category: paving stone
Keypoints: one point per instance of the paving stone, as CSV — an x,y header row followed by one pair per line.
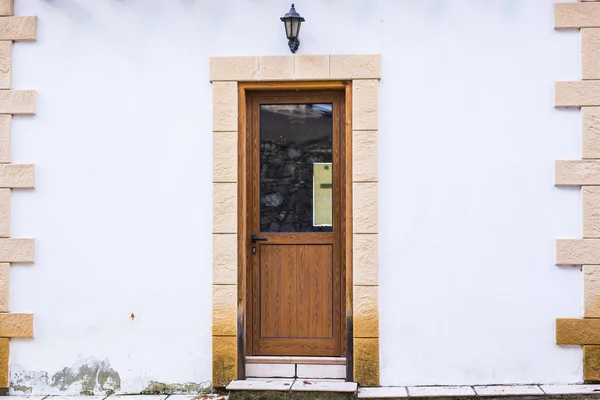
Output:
x,y
382,392
507,390
441,391
570,389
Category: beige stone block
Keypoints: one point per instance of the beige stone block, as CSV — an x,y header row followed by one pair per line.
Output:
x,y
577,94
578,251
366,311
225,258
17,176
4,287
576,15
17,101
364,156
18,28
311,67
13,325
7,8
5,138
366,361
234,69
365,95
590,196
225,163
591,132
4,357
365,205
591,291
590,50
224,312
5,213
17,250
224,208
577,172
577,331
224,349
355,66
5,65
591,364
225,106
276,68
365,262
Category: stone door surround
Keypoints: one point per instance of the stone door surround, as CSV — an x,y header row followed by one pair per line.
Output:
x,y
228,76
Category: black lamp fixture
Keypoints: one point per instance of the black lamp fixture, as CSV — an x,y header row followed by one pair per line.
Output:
x,y
292,21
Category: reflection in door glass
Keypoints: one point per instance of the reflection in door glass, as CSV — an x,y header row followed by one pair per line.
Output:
x,y
296,171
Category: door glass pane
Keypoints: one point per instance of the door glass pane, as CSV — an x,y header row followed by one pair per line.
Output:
x,y
296,171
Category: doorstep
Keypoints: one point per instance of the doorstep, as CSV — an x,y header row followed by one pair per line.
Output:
x,y
297,389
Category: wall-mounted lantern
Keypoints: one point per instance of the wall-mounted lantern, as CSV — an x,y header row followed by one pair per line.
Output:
x,y
292,21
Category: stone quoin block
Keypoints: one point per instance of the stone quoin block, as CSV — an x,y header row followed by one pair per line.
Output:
x,y
17,176
365,98
364,156
224,321
577,331
576,15
577,172
577,94
7,8
364,204
590,53
591,291
17,101
5,138
234,68
225,167
591,132
365,259
13,325
5,199
366,311
18,28
224,358
578,252
366,66
4,353
590,196
225,259
366,361
591,363
16,250
4,287
276,68
5,64
224,208
311,67
225,106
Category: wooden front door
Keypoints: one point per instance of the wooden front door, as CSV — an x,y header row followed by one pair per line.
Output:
x,y
295,281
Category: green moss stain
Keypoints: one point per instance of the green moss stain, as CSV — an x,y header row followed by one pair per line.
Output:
x,y
93,377
177,388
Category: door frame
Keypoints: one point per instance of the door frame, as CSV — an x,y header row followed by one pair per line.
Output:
x,y
244,261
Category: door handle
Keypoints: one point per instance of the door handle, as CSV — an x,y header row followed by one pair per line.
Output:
x,y
258,239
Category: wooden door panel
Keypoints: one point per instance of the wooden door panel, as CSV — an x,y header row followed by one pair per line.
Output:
x,y
296,291
295,271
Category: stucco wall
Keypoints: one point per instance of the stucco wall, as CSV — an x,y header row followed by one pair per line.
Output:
x,y
468,211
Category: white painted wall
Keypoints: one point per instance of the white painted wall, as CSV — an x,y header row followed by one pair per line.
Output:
x,y
468,212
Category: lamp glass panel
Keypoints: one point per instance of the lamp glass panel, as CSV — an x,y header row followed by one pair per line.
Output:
x,y
288,27
295,27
